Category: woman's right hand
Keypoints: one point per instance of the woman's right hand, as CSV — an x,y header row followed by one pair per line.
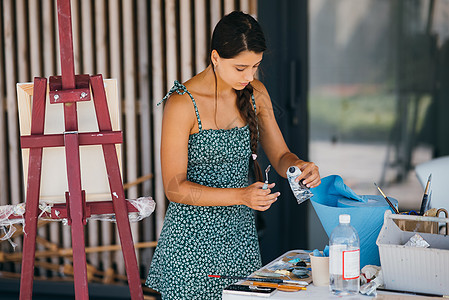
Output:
x,y
257,198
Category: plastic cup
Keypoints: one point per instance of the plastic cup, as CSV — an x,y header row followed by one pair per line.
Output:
x,y
320,270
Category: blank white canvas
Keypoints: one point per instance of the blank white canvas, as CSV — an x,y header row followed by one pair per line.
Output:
x,y
54,174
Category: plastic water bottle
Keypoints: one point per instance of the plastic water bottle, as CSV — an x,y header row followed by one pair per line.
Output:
x,y
344,259
301,192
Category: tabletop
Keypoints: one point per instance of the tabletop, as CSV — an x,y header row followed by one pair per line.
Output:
x,y
316,292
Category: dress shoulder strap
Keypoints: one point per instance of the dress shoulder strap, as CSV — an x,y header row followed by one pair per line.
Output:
x,y
255,112
181,90
254,103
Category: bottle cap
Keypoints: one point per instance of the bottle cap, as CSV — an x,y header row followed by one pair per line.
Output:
x,y
293,171
344,219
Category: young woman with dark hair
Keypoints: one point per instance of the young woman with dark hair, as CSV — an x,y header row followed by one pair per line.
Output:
x,y
211,127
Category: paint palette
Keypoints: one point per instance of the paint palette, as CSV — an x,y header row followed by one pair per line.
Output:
x,y
293,265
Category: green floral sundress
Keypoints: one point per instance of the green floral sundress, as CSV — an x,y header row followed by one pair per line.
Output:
x,y
197,241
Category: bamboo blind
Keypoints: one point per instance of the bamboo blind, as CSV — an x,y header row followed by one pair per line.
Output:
x,y
145,45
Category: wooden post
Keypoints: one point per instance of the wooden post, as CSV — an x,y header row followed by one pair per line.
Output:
x,y
200,37
77,217
215,15
170,40
158,87
186,40
228,6
130,105
117,192
33,191
145,119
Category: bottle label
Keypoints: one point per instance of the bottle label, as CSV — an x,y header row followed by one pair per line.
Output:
x,y
344,262
351,264
335,259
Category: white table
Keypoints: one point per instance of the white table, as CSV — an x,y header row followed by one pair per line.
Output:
x,y
322,293
319,293
312,292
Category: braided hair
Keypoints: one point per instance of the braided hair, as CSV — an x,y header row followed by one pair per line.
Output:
x,y
233,34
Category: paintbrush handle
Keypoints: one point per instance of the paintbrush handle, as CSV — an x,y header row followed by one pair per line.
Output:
x,y
272,280
280,286
265,185
388,200
395,210
423,204
426,191
255,279
425,198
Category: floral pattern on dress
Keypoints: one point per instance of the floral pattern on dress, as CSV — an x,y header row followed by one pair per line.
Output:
x,y
197,241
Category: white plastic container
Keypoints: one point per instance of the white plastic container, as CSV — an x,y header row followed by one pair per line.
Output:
x,y
422,270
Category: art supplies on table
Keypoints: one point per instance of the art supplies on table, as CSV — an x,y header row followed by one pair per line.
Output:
x,y
425,198
272,280
261,280
395,210
320,268
332,198
241,289
301,191
277,275
292,267
412,269
344,259
265,185
280,286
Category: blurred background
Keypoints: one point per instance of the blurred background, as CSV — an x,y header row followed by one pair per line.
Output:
x,y
358,86
377,95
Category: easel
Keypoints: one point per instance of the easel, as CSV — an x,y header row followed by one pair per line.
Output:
x,y
67,90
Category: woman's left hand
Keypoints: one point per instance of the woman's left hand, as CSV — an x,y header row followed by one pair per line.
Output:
x,y
310,174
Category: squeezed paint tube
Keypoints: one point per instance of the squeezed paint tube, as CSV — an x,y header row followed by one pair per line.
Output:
x,y
301,192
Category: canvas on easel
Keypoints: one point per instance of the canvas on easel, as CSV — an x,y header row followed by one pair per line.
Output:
x,y
76,210
54,174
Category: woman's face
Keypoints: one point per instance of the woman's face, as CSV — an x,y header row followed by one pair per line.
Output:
x,y
238,71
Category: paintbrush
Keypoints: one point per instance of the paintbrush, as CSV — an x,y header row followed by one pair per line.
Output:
x,y
264,280
265,185
425,197
281,287
272,280
388,200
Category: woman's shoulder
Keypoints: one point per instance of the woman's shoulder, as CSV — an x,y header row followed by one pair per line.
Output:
x,y
177,110
178,104
178,100
258,88
260,93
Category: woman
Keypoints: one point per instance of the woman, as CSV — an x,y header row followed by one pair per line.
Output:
x,y
210,131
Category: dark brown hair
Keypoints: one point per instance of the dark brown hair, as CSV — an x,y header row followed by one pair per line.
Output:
x,y
235,33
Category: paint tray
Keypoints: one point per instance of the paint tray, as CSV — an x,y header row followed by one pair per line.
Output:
x,y
411,269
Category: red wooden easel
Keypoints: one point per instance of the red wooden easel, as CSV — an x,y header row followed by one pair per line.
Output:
x,y
66,90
